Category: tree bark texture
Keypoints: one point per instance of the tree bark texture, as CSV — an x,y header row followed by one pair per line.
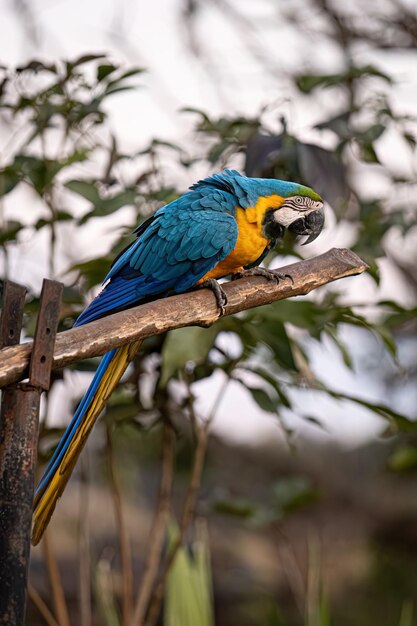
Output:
x,y
189,309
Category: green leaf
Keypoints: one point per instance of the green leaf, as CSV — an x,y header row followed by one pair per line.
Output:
x,y
105,70
385,335
404,459
236,507
407,614
134,71
37,66
263,399
86,58
324,618
315,421
410,139
368,153
78,156
402,424
3,85
199,112
306,83
189,594
117,88
92,271
290,494
373,270
40,173
58,216
106,206
10,177
184,345
397,421
274,335
347,359
102,206
304,314
399,317
82,60
339,124
372,133
104,593
218,150
121,411
270,379
119,84
10,231
84,188
274,616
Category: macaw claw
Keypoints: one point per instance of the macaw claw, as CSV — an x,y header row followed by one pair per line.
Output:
x,y
218,291
261,271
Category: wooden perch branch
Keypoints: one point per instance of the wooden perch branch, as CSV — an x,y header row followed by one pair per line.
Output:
x,y
192,308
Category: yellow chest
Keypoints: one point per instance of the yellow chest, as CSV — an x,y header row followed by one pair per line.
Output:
x,y
249,247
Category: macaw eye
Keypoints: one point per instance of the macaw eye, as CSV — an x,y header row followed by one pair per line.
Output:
x,y
299,200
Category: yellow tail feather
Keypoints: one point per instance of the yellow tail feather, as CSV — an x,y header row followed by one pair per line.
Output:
x,y
46,502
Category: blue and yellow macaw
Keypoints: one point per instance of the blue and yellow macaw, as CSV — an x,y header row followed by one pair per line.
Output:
x,y
223,225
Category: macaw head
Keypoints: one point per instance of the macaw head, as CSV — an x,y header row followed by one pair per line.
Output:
x,y
300,211
275,205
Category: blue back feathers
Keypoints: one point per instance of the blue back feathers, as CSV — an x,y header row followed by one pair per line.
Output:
x,y
183,241
247,190
174,249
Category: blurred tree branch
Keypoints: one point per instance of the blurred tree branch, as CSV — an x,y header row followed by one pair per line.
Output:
x,y
194,308
38,601
155,602
159,525
122,534
55,582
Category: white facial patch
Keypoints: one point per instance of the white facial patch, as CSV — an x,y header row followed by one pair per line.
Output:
x,y
286,216
294,208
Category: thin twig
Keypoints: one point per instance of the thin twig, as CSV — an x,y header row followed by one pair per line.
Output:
x,y
187,516
38,601
191,409
201,434
55,582
312,602
198,465
218,399
159,525
292,571
84,548
124,543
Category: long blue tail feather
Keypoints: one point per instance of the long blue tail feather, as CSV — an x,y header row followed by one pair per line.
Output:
x,y
72,427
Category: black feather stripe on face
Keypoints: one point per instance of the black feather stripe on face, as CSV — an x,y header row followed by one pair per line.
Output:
x,y
271,228
301,203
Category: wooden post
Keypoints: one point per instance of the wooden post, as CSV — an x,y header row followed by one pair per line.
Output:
x,y
19,424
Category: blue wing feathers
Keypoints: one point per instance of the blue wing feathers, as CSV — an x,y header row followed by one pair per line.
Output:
x,y
164,257
175,248
198,225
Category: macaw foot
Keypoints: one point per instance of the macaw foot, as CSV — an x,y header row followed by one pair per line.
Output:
x,y
261,271
218,291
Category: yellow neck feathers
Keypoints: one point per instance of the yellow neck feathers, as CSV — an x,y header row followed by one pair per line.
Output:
x,y
251,241
255,214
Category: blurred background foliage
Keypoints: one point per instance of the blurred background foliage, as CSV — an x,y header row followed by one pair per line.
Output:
x,y
300,532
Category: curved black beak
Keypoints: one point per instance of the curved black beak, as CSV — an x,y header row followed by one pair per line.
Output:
x,y
310,224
